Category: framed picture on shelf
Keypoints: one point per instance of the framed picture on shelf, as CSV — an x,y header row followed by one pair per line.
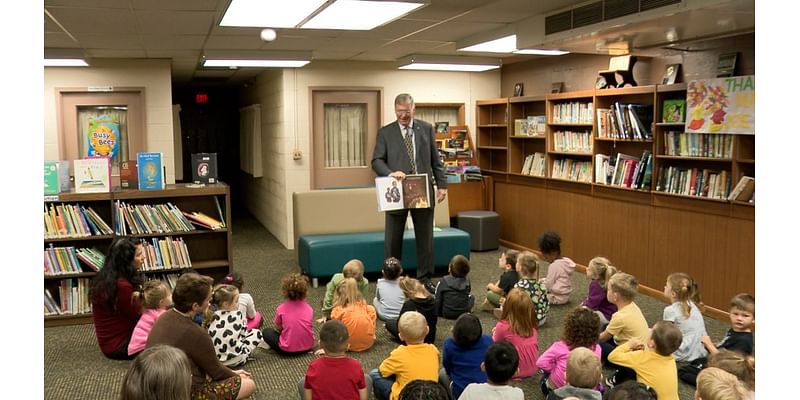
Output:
x,y
442,127
670,74
518,89
556,87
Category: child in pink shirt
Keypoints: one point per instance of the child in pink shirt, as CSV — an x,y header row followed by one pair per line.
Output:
x,y
517,326
156,298
559,274
581,329
293,333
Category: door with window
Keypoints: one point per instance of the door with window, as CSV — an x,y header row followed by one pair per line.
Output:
x,y
344,126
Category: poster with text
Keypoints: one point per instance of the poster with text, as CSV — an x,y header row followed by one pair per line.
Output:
x,y
722,105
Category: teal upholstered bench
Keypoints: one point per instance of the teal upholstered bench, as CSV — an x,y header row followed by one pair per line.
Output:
x,y
332,227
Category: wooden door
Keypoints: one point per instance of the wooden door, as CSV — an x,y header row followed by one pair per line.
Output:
x,y
344,126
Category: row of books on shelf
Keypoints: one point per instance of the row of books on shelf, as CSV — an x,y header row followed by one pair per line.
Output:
x,y
72,220
624,170
572,142
533,125
573,170
462,173
696,182
146,172
534,164
167,253
625,121
64,260
573,113
73,295
140,219
688,144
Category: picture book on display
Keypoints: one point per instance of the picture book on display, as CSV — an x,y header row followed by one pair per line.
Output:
x,y
128,175
51,185
204,168
411,192
150,169
674,110
92,175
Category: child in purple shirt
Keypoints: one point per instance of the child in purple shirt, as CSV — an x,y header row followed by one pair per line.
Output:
x,y
600,271
293,333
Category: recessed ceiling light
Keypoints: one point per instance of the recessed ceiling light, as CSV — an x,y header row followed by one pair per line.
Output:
x,y
359,15
542,52
64,62
448,63
503,45
233,63
269,14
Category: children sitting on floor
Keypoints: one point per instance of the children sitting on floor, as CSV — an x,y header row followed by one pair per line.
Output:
x,y
389,297
293,332
246,303
583,376
527,265
228,329
580,330
352,269
495,292
334,375
417,299
518,326
600,271
500,363
559,274
685,311
453,293
463,353
358,316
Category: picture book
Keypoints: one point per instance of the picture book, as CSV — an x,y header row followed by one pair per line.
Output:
x,y
674,110
51,185
536,125
128,175
150,171
92,175
442,127
204,168
413,191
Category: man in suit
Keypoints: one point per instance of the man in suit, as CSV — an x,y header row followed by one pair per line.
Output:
x,y
408,146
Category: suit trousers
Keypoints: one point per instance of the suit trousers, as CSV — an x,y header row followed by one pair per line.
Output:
x,y
423,237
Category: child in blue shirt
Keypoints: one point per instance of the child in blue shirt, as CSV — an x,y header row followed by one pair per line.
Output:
x,y
463,354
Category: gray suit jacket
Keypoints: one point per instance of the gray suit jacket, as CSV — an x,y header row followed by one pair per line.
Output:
x,y
390,153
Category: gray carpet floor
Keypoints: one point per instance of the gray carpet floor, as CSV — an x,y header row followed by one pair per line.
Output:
x,y
74,367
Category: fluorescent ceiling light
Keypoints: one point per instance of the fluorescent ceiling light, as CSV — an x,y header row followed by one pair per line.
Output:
x,y
65,62
64,57
269,14
256,59
448,63
359,15
316,14
508,44
542,52
255,63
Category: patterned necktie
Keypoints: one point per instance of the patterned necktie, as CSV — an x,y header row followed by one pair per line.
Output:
x,y
410,148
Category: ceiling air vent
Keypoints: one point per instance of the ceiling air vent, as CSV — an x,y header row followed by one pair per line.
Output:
x,y
558,22
598,12
619,8
587,15
651,4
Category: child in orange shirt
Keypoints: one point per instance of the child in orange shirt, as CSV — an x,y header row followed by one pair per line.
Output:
x,y
358,316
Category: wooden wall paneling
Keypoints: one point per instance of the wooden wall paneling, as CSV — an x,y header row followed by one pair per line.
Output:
x,y
622,234
506,205
740,264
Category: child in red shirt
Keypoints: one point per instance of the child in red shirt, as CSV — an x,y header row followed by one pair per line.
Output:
x,y
334,376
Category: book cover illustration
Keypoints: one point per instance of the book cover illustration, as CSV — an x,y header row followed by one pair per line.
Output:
x,y
442,127
722,105
674,110
103,136
151,176
92,175
204,168
51,185
412,192
128,175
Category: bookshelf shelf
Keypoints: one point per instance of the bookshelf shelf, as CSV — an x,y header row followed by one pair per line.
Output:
x,y
659,193
492,126
746,161
570,181
671,124
515,137
567,124
492,147
210,251
569,153
665,157
604,139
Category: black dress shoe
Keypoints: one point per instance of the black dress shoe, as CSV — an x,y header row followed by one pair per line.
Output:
x,y
430,286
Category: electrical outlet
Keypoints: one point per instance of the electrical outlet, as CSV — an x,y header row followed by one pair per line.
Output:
x,y
297,154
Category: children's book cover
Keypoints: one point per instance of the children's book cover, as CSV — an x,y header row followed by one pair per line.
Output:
x,y
151,175
204,168
412,191
51,185
674,110
92,175
128,175
63,175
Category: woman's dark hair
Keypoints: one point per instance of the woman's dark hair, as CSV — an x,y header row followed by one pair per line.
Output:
x,y
118,264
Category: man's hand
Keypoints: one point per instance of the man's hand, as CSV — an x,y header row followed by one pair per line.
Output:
x,y
440,195
399,175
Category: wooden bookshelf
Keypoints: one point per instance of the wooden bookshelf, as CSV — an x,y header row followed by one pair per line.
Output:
x,y
644,232
210,251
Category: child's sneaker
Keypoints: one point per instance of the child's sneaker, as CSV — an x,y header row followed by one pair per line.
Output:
x,y
611,381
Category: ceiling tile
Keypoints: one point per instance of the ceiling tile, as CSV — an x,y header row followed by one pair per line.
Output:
x,y
325,54
176,22
161,42
115,53
92,20
219,42
100,41
50,26
58,40
197,5
176,55
214,73
454,31
88,3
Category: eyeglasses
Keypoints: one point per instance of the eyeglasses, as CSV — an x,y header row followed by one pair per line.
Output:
x,y
402,112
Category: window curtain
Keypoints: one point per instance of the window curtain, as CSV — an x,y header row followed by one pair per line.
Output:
x,y
345,135
433,115
96,112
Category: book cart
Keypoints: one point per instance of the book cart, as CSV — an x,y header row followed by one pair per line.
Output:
x,y
209,250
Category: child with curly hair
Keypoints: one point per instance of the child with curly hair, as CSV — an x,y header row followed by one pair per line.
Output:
x,y
559,274
581,329
293,333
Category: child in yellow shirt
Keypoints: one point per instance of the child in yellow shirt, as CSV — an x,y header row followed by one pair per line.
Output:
x,y
654,366
415,360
